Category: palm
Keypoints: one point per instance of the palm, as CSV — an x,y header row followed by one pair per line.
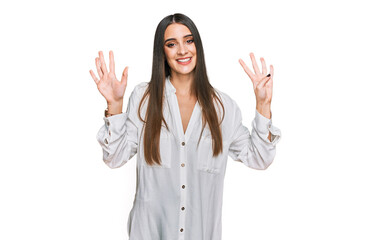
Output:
x,y
263,84
111,88
108,85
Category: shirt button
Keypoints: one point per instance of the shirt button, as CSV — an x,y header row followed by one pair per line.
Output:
x,y
183,208
181,229
183,165
106,141
183,143
183,186
107,123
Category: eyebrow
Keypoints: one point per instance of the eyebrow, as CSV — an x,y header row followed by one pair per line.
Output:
x,y
169,39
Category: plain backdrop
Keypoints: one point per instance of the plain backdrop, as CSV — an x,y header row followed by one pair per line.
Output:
x,y
53,181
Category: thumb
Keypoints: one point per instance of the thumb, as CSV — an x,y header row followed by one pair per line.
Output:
x,y
124,77
262,82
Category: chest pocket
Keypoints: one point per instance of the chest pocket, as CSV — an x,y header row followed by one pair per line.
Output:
x,y
205,160
164,149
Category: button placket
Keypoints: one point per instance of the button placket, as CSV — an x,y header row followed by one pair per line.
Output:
x,y
183,192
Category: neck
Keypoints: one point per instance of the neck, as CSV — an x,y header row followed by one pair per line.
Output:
x,y
182,83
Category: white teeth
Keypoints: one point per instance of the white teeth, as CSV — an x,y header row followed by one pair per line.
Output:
x,y
184,60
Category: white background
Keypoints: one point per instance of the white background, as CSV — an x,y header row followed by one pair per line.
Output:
x,y
54,183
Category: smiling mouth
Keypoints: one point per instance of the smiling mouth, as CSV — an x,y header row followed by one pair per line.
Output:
x,y
184,60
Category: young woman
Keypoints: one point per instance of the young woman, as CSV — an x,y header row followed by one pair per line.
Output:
x,y
183,131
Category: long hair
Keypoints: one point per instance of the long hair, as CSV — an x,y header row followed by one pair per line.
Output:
x,y
201,87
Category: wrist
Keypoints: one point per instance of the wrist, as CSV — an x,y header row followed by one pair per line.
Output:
x,y
114,107
264,109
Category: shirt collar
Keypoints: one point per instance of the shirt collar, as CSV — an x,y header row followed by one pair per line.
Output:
x,y
169,88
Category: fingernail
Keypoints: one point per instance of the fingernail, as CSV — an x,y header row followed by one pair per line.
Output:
x,y
269,75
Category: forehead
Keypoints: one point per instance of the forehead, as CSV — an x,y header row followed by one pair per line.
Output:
x,y
176,30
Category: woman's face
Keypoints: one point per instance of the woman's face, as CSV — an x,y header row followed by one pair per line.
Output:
x,y
180,50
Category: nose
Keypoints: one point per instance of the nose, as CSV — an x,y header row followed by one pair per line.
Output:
x,y
182,50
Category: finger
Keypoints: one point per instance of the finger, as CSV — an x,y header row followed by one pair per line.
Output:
x,y
254,64
270,82
102,62
93,76
124,77
263,82
247,70
99,69
111,62
264,67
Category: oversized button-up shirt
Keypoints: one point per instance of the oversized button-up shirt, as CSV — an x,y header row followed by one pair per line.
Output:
x,y
182,199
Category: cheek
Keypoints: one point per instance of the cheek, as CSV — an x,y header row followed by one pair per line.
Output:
x,y
169,53
194,54
194,51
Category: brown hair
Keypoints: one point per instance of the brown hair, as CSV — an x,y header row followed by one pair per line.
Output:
x,y
201,87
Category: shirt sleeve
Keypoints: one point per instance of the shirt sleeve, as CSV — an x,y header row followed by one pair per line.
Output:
x,y
118,135
254,150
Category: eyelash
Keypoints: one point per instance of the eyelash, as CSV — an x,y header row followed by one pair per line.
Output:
x,y
169,45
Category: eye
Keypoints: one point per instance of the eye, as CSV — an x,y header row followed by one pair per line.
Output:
x,y
190,41
170,45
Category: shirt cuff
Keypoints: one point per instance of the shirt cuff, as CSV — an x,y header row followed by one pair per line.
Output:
x,y
263,126
114,124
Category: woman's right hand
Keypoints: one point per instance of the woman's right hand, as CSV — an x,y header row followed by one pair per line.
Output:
x,y
108,85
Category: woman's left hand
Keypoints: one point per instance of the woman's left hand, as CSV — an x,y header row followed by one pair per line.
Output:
x,y
263,83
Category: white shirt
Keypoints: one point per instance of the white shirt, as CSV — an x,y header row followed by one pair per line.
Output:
x,y
182,199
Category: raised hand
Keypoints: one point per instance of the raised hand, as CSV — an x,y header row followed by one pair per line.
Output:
x,y
108,85
263,83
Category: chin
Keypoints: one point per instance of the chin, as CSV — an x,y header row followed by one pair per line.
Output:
x,y
184,71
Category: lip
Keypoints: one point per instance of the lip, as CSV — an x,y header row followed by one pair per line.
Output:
x,y
184,63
